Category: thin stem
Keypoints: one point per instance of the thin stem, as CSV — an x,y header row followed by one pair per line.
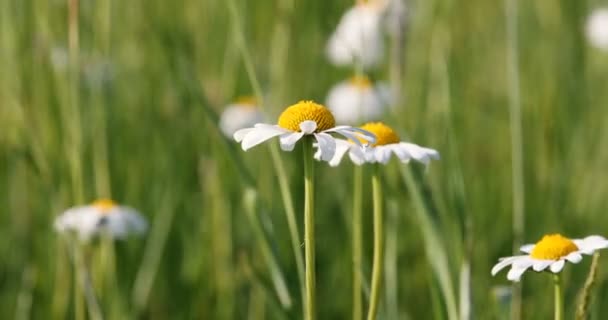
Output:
x,y
309,229
378,245
79,306
558,296
357,242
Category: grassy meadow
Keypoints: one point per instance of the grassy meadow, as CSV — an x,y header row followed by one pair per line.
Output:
x,y
122,100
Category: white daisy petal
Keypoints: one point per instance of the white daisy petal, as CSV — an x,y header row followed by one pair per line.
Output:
x,y
326,145
557,266
382,154
583,246
240,134
527,248
596,242
400,152
574,257
540,265
516,271
288,141
342,147
419,153
356,155
260,134
308,126
503,262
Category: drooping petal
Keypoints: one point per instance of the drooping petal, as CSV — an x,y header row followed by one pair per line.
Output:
x,y
527,248
342,147
557,266
517,270
574,257
503,262
540,265
240,134
400,152
288,141
357,156
260,134
326,145
354,134
308,126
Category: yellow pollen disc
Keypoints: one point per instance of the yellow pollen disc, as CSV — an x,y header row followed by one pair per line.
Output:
x,y
553,247
104,205
361,82
247,101
384,134
291,117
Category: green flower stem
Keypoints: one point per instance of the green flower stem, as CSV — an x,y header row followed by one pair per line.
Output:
x,y
309,229
378,245
559,297
357,242
79,306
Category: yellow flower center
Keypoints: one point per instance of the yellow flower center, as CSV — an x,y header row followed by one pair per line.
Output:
x,y
246,101
291,117
104,205
361,82
553,247
384,134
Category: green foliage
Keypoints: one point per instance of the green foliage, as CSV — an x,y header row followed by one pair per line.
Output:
x,y
134,118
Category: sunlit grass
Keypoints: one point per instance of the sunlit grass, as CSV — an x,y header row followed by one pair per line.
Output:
x,y
138,124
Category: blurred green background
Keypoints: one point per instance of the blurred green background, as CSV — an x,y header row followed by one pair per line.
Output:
x,y
129,112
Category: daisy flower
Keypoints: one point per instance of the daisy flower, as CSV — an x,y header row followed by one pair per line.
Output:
x,y
597,29
302,119
101,216
358,36
552,252
240,114
357,100
387,144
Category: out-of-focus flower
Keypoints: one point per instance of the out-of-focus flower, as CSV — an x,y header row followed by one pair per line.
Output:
x,y
100,217
357,100
240,114
387,144
301,119
597,28
552,252
358,36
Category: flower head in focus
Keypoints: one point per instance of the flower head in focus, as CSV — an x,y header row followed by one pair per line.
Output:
x,y
101,216
296,121
240,114
358,36
551,252
358,100
597,29
386,145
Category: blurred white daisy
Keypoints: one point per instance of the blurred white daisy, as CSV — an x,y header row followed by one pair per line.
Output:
x,y
358,36
551,252
597,28
99,217
387,143
240,114
301,119
357,100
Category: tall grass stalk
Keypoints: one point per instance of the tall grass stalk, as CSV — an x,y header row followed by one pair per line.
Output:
x,y
378,263
585,295
277,162
250,201
518,187
434,248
